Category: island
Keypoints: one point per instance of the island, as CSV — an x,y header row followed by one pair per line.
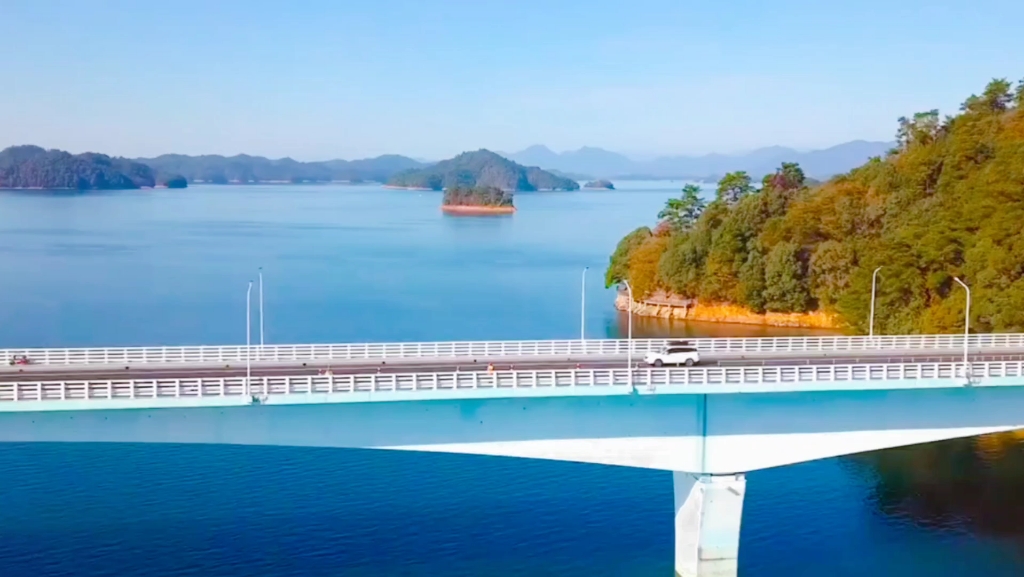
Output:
x,y
34,167
172,181
943,206
246,169
480,168
601,183
477,200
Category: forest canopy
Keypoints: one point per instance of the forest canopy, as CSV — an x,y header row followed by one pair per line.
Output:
x,y
947,202
476,196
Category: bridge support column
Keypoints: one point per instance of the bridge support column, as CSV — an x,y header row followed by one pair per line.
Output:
x,y
708,513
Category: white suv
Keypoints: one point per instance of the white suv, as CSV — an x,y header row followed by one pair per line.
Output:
x,y
673,355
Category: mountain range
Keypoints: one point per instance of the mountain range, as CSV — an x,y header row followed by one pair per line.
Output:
x,y
250,169
593,162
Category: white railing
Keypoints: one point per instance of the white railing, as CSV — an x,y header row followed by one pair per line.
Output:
x,y
442,382
561,349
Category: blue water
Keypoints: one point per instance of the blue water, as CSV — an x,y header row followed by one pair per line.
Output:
x,y
360,263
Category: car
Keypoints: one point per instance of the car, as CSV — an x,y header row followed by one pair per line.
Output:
x,y
673,355
20,360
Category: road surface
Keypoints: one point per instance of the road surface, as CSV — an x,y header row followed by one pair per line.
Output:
x,y
79,373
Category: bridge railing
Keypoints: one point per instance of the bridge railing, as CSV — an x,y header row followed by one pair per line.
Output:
x,y
276,387
561,349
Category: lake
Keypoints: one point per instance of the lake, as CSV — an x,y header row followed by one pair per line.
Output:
x,y
361,263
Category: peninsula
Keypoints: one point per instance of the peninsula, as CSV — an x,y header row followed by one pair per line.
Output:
x,y
945,203
602,183
481,168
479,200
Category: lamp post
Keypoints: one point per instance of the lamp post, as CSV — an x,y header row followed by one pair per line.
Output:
x,y
629,334
871,322
248,338
261,311
583,306
967,324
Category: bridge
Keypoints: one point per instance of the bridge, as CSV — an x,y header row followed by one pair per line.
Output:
x,y
751,404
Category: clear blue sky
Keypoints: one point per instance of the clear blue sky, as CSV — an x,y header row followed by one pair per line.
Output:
x,y
318,79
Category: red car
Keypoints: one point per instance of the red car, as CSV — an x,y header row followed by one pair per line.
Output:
x,y
20,360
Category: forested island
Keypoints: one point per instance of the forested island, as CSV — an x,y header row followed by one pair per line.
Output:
x,y
245,169
37,168
601,183
477,200
481,168
946,202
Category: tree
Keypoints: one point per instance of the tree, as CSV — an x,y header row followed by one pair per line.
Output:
x,y
948,201
681,213
785,290
643,266
618,263
734,186
788,177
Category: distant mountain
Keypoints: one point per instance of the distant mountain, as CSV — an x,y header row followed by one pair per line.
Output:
x,y
252,169
585,161
596,162
481,168
35,167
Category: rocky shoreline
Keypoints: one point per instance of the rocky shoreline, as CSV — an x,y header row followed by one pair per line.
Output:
x,y
680,309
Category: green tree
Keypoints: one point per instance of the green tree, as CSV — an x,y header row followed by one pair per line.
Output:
x,y
830,267
734,186
681,213
785,289
752,281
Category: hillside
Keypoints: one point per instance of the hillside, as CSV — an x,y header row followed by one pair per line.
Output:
x,y
253,169
604,164
947,201
35,167
481,168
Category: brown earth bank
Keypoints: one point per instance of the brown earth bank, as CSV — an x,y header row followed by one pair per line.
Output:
x,y
476,210
674,307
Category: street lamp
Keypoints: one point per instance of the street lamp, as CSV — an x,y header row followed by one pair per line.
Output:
x,y
248,338
629,337
871,323
261,311
583,306
967,323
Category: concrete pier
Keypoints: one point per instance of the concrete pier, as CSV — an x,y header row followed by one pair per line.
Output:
x,y
709,509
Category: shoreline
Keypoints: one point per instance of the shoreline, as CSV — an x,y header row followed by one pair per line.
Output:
x,y
726,313
460,209
419,188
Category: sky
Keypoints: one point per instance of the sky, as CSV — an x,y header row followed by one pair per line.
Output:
x,y
322,79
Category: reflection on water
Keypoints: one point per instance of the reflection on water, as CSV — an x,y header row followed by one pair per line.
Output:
x,y
963,484
656,327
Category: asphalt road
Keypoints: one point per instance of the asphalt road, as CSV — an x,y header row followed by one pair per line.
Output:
x,y
56,373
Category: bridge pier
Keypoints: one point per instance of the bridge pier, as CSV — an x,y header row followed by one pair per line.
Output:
x,y
709,509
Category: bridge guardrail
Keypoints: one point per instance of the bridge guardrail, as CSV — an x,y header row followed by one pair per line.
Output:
x,y
372,352
392,382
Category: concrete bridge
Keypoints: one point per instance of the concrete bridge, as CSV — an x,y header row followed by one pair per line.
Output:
x,y
751,404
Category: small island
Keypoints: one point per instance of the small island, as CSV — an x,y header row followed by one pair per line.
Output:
x,y
477,200
480,168
605,184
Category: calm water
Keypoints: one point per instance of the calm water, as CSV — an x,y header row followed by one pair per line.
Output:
x,y
367,264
